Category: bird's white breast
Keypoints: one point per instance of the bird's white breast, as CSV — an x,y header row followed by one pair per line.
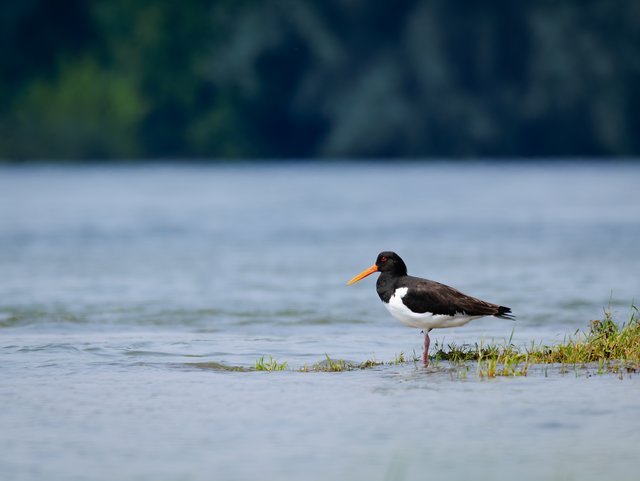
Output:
x,y
422,320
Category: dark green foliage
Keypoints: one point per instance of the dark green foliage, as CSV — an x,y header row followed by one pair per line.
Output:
x,y
282,78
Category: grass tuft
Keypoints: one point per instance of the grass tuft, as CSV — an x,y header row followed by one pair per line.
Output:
x,y
270,365
339,365
609,346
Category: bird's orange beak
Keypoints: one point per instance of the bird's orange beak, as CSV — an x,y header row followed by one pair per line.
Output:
x,y
363,274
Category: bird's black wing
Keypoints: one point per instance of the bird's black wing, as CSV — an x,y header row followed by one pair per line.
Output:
x,y
429,296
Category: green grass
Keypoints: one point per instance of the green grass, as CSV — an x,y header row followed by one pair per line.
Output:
x,y
609,346
339,365
270,365
605,347
605,341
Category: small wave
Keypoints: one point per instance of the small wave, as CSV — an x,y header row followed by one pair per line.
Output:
x,y
106,315
152,353
50,347
215,366
292,317
12,317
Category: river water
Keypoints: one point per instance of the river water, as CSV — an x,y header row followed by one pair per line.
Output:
x,y
122,288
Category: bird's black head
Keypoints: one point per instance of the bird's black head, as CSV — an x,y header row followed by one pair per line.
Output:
x,y
387,261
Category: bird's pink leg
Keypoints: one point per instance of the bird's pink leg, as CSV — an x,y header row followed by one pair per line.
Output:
x,y
425,355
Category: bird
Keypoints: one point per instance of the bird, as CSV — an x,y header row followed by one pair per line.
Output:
x,y
425,304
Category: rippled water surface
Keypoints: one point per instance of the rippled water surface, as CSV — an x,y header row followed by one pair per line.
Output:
x,y
125,290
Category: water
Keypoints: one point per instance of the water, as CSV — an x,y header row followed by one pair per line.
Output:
x,y
120,286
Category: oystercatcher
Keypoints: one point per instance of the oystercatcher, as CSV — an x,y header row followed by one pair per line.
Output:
x,y
423,303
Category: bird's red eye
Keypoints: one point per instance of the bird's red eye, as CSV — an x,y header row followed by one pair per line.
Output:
x,y
383,259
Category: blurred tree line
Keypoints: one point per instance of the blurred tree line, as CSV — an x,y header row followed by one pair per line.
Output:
x,y
327,78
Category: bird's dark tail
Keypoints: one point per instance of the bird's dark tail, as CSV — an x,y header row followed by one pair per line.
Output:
x,y
505,313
